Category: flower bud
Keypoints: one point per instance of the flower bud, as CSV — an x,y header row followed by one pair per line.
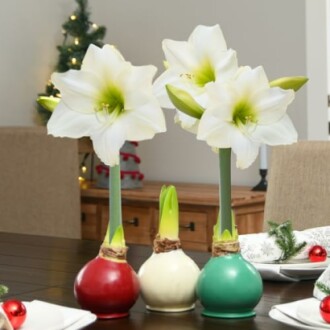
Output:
x,y
184,102
48,102
294,83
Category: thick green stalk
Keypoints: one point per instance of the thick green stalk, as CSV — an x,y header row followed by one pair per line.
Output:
x,y
115,200
225,190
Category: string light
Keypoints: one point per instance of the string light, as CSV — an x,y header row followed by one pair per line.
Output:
x,y
76,41
94,26
74,60
73,17
84,169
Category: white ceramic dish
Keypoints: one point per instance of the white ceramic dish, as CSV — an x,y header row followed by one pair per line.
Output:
x,y
309,313
275,314
292,271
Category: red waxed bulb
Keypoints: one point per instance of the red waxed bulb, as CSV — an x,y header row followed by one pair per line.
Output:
x,y
325,309
15,311
317,253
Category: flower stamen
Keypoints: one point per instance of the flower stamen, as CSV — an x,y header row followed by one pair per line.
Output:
x,y
188,76
110,104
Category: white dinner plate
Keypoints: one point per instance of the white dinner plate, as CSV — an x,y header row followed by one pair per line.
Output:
x,y
309,313
295,271
277,315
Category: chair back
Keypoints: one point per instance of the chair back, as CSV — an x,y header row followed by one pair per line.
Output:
x,y
299,185
39,187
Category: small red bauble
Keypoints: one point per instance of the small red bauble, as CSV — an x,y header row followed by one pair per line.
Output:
x,y
317,253
15,311
325,309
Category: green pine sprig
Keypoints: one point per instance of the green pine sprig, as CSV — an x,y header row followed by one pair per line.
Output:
x,y
323,288
3,290
285,240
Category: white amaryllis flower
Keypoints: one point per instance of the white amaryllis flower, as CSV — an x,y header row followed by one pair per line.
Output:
x,y
109,100
247,112
192,64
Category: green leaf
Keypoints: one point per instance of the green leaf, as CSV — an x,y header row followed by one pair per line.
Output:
x,y
216,231
184,102
48,102
3,290
226,236
294,83
323,287
118,240
161,200
169,213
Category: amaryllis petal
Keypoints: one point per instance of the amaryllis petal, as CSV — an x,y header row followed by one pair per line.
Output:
x,y
188,123
179,54
139,77
254,78
208,39
79,82
280,132
67,123
107,143
246,151
217,133
104,62
273,103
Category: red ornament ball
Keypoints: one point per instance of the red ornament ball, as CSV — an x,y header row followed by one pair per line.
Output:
x,y
325,309
317,253
15,311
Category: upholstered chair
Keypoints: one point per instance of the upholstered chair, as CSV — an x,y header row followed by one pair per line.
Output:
x,y
39,187
299,185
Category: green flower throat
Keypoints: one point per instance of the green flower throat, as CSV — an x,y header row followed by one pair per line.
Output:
x,y
111,100
204,74
244,113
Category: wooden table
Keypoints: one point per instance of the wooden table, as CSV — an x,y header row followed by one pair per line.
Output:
x,y
45,268
198,205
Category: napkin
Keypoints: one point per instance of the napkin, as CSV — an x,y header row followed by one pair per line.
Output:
x,y
289,314
322,285
4,322
42,315
261,248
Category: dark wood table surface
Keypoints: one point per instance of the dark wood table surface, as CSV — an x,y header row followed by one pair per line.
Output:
x,y
45,268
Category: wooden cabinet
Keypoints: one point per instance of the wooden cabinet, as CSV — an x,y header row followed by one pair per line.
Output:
x,y
198,205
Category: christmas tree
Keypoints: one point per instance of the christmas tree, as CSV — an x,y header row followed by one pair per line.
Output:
x,y
79,32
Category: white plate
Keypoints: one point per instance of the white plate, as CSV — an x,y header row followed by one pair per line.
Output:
x,y
292,271
275,314
309,313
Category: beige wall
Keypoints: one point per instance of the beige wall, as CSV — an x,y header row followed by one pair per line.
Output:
x,y
272,33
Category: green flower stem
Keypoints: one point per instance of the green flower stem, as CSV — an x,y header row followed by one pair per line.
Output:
x,y
225,190
115,200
